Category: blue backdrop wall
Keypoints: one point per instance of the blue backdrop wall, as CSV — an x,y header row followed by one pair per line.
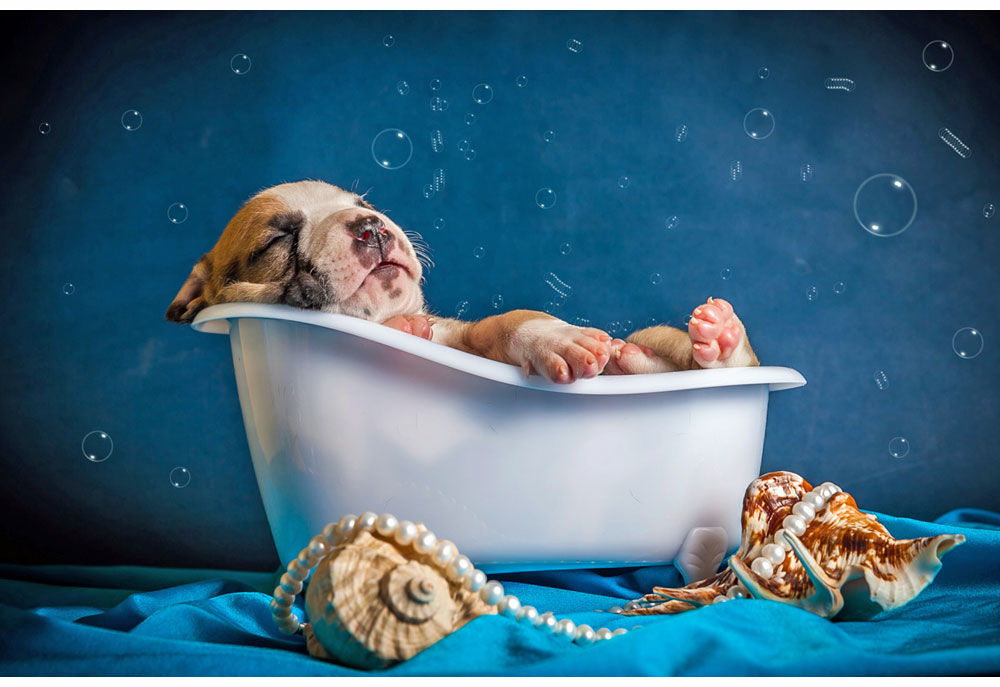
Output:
x,y
635,122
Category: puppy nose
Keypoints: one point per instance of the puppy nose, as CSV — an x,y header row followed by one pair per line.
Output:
x,y
370,231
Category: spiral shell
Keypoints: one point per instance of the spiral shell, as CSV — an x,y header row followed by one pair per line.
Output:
x,y
373,603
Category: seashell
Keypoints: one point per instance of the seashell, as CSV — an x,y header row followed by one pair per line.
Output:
x,y
373,603
844,562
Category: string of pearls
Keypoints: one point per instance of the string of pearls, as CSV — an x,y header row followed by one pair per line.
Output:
x,y
443,553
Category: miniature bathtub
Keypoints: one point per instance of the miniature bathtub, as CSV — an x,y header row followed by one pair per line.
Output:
x,y
345,416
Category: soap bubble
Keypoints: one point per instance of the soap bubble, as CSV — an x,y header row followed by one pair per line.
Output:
x,y
461,308
435,84
68,289
498,301
624,181
806,172
470,154
812,293
403,87
44,128
726,273
672,222
574,45
898,447
479,251
470,119
967,343
522,81
839,288
881,381
438,179
438,104
758,123
736,170
954,142
989,210
177,213
428,191
655,278
885,205
463,145
482,93
565,249
545,198
240,64
439,223
839,84
681,133
131,120
549,135
180,477
97,446
938,56
437,141
388,41
392,148
763,73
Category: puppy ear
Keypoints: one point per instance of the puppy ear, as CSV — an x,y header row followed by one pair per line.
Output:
x,y
189,299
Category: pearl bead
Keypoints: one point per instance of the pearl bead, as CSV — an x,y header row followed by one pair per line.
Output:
x,y
584,635
794,524
330,533
620,631
491,593
475,581
305,560
406,532
317,546
509,606
547,622
424,542
615,609
779,539
296,572
736,592
290,584
459,567
773,553
386,524
365,521
815,499
527,614
720,599
566,629
282,597
762,567
444,551
804,511
280,611
289,625
346,526
604,633
631,605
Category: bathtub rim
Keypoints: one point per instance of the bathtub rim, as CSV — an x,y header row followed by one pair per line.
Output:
x,y
216,319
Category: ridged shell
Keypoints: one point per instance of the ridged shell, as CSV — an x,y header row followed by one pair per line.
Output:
x,y
373,603
845,561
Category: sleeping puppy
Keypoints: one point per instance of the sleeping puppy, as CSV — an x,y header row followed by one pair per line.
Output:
x,y
316,246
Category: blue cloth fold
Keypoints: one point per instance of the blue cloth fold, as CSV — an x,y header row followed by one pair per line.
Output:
x,y
66,620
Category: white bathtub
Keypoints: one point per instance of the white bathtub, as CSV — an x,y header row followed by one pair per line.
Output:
x,y
345,416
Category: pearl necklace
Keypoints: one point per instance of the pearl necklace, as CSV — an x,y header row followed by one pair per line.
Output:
x,y
444,555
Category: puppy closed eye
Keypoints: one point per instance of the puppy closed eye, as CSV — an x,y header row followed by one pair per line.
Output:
x,y
267,245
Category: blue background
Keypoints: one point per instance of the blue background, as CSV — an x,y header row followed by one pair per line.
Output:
x,y
86,204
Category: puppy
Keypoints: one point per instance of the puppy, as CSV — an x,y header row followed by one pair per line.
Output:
x,y
316,246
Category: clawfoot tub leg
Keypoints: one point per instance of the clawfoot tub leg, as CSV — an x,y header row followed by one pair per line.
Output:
x,y
701,553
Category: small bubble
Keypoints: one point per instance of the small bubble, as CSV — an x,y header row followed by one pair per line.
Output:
x,y
470,119
388,41
581,321
806,172
881,381
655,278
461,308
44,128
989,210
392,148
967,343
438,104
463,145
898,447
428,191
672,222
758,123
681,133
497,301
482,93
763,73
439,223
545,198
885,205
559,286
479,251
812,293
549,135
522,81
177,213
565,249
736,170
839,84
623,182
68,289
403,88
470,154
180,477
240,64
726,273
131,120
574,45
954,142
438,179
435,84
437,141
938,56
839,288
97,446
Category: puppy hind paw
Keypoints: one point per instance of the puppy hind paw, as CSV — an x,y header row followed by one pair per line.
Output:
x,y
633,359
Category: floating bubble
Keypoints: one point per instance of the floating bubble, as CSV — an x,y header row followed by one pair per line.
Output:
x,y
438,104
736,170
881,381
967,343
470,154
651,322
388,41
812,293
498,301
549,135
68,289
558,285
839,83
989,210
180,477
545,198
954,142
44,128
522,81
435,84
806,172
726,273
439,223
938,56
482,93
438,179
763,73
839,288
898,447
581,321
463,145
177,213
565,249
461,308
392,148
655,277
437,141
131,120
623,182
97,446
672,222
470,119
403,88
479,251
758,123
681,133
574,45
240,63
885,205
428,191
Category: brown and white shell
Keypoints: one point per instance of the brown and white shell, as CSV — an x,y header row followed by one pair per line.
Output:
x,y
373,603
845,561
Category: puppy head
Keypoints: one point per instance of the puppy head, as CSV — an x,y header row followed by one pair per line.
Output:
x,y
311,245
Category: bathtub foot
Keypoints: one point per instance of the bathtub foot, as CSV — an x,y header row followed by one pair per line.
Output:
x,y
701,553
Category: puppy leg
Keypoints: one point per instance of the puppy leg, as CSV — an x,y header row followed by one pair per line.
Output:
x,y
418,325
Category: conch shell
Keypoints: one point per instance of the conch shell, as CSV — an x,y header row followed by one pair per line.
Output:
x,y
844,562
373,603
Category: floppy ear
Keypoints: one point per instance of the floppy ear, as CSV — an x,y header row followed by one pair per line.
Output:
x,y
189,299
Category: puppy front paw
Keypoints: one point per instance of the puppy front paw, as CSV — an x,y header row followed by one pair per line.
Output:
x,y
560,352
418,325
718,338
634,359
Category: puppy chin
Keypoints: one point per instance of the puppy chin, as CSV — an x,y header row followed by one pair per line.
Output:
x,y
380,309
